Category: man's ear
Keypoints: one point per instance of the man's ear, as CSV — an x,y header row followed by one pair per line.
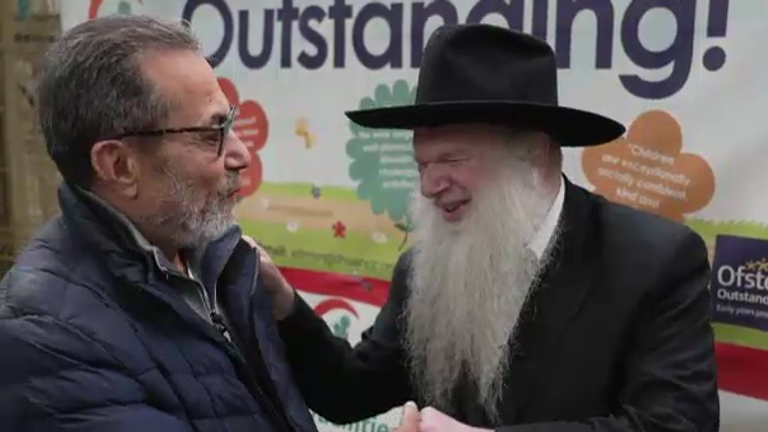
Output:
x,y
115,163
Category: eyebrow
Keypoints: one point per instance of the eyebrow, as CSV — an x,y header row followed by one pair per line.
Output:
x,y
217,117
443,156
452,153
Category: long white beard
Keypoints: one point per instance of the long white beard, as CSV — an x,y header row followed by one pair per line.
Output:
x,y
468,285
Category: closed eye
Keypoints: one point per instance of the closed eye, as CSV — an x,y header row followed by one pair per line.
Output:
x,y
453,161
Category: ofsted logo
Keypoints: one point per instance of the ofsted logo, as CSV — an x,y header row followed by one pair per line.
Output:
x,y
741,277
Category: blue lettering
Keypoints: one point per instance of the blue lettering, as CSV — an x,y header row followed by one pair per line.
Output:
x,y
286,15
717,26
512,12
567,10
340,12
313,13
679,53
540,16
306,22
393,55
261,59
226,16
420,15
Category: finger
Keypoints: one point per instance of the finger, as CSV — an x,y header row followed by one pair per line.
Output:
x,y
410,414
430,420
410,419
428,412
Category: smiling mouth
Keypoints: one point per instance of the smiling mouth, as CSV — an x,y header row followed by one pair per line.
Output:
x,y
454,207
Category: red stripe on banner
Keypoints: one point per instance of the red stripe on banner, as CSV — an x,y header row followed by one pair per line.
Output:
x,y
361,289
742,370
333,304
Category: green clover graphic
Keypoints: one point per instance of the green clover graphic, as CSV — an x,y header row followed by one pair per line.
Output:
x,y
124,8
341,327
382,160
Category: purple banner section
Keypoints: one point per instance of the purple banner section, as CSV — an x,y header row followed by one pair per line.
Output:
x,y
740,282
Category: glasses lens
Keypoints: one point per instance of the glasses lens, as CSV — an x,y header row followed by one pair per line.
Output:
x,y
222,134
226,128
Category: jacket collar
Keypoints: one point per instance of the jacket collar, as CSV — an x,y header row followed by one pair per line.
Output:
x,y
575,268
112,234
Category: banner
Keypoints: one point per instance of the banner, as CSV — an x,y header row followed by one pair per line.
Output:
x,y
328,198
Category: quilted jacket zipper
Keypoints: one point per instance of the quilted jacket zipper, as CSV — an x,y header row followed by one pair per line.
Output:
x,y
280,422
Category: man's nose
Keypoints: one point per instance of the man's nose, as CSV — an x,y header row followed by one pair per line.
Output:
x,y
432,182
236,154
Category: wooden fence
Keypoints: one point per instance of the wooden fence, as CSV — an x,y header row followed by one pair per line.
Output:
x,y
28,179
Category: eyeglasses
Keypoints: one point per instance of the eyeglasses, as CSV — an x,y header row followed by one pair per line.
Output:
x,y
222,129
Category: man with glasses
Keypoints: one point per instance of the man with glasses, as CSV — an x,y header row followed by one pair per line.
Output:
x,y
140,307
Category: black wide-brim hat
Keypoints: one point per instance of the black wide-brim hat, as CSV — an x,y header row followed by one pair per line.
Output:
x,y
482,73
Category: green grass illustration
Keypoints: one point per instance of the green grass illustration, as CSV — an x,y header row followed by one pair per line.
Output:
x,y
739,335
708,230
320,250
300,189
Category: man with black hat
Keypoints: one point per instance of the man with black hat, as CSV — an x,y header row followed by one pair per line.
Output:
x,y
527,303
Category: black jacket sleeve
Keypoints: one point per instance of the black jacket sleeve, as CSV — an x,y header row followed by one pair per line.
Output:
x,y
342,383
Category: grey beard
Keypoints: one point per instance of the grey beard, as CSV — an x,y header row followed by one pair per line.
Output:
x,y
187,219
468,285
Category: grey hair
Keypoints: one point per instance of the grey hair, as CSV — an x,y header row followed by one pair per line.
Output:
x,y
90,86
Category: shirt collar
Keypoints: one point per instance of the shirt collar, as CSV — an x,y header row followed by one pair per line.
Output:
x,y
548,226
138,239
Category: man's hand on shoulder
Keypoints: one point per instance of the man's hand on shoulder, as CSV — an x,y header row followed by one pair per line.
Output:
x,y
280,291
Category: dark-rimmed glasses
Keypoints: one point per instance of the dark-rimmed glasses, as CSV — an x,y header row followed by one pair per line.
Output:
x,y
223,130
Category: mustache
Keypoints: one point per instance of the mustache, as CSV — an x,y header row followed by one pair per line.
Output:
x,y
231,183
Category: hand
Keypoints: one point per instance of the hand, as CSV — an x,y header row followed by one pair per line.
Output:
x,y
279,290
410,422
433,420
